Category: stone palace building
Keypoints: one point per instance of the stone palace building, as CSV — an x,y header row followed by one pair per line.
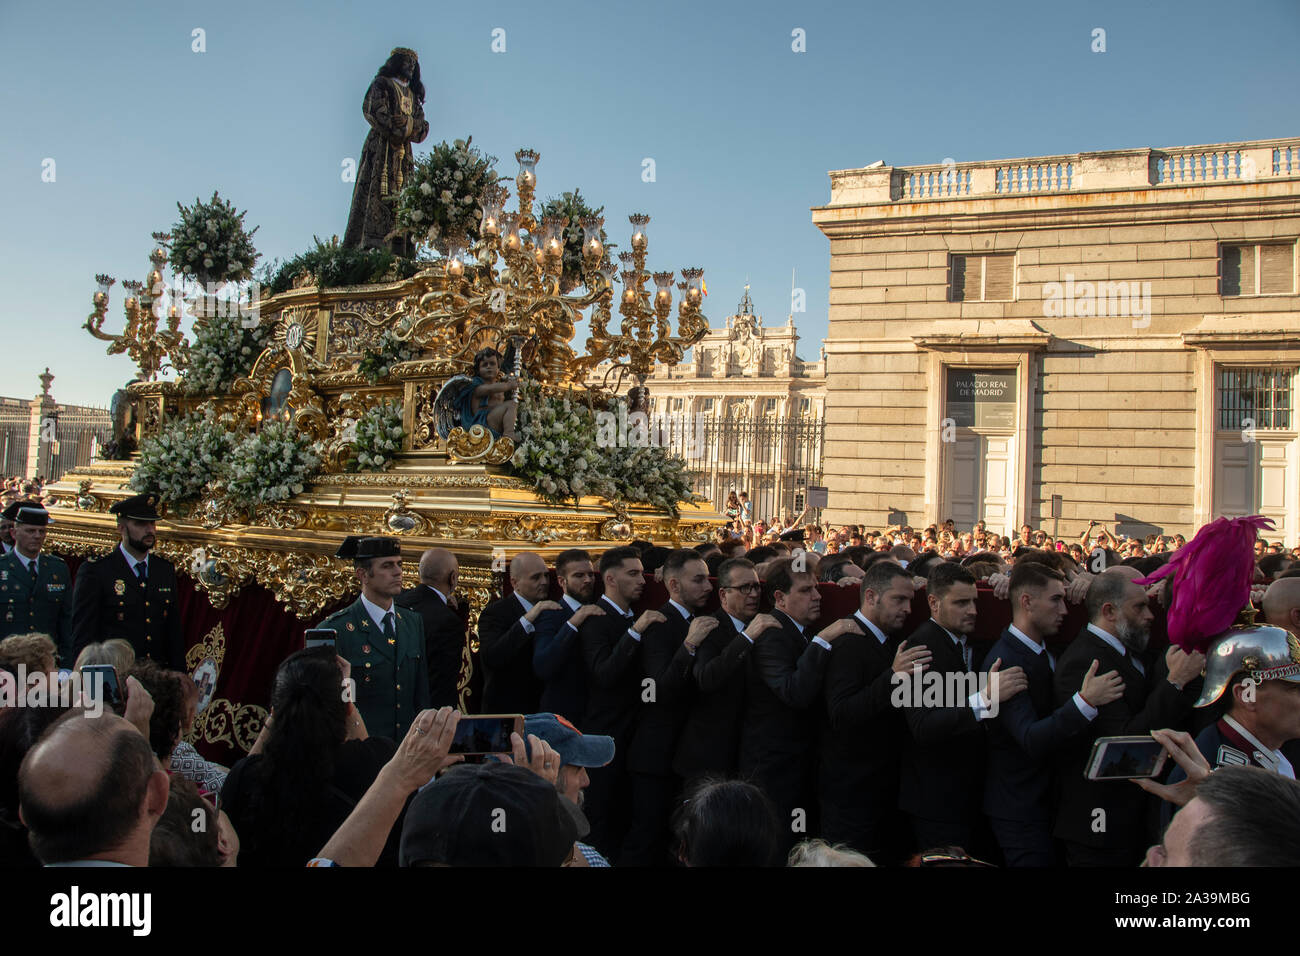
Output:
x,y
758,409
1118,328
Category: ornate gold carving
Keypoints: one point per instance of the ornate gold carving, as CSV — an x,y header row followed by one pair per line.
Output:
x,y
477,446
282,517
400,519
423,430
224,721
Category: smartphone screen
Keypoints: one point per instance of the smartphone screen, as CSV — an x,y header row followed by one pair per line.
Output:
x,y
322,637
1126,758
100,683
487,734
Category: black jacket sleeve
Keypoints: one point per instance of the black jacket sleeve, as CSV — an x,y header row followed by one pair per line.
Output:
x,y
796,682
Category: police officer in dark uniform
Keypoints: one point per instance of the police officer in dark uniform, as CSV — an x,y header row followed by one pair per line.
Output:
x,y
384,643
35,588
130,593
7,525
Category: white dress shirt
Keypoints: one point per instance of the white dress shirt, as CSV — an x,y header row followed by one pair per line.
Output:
x,y
1120,649
1085,708
377,613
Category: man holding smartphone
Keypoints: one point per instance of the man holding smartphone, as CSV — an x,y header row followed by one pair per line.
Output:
x,y
383,642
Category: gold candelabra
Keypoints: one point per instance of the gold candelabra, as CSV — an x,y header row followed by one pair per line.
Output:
x,y
152,349
512,289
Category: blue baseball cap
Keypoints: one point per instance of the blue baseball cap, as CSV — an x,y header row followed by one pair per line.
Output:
x,y
573,746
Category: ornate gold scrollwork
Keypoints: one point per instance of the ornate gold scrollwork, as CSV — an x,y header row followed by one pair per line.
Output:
x,y
477,446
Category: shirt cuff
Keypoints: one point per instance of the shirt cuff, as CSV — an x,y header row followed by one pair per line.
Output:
x,y
634,635
1085,708
569,625
825,644
747,637
981,709
527,625
689,650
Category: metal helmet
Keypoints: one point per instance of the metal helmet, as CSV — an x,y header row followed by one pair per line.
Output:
x,y
1264,653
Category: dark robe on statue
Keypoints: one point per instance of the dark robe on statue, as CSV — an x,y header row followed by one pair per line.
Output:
x,y
396,121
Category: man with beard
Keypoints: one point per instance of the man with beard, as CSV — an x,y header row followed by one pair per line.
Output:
x,y
611,651
557,662
505,633
860,744
131,594
785,689
668,651
1103,822
1026,731
711,738
942,781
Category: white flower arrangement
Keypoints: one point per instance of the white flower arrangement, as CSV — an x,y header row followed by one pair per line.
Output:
x,y
378,435
223,350
210,243
183,459
558,454
444,198
272,465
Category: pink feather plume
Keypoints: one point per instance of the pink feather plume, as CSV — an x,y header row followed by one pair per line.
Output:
x,y
1212,577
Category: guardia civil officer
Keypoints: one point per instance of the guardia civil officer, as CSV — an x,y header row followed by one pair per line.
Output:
x,y
130,593
384,643
36,588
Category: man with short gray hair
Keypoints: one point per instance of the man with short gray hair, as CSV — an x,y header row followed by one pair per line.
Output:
x,y
505,634
444,629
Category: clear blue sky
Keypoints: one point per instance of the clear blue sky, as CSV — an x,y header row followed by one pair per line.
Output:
x,y
742,129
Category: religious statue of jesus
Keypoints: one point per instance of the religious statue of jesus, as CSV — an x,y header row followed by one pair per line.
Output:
x,y
394,108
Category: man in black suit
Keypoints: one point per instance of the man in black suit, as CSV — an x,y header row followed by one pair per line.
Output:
x,y
557,662
130,593
778,743
505,637
710,740
1018,784
942,781
611,652
444,628
668,652
860,744
1103,823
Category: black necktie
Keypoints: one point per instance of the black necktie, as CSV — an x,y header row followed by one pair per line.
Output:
x,y
390,633
965,657
141,571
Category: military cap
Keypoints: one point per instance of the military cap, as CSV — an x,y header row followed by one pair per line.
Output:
x,y
348,549
32,513
137,507
11,511
368,548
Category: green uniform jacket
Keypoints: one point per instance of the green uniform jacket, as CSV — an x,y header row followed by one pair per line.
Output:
x,y
392,680
44,605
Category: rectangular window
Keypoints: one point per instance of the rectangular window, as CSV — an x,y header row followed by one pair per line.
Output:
x,y
1257,269
769,406
982,278
1255,398
706,405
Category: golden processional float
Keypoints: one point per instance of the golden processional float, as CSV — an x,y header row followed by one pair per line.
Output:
x,y
449,487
